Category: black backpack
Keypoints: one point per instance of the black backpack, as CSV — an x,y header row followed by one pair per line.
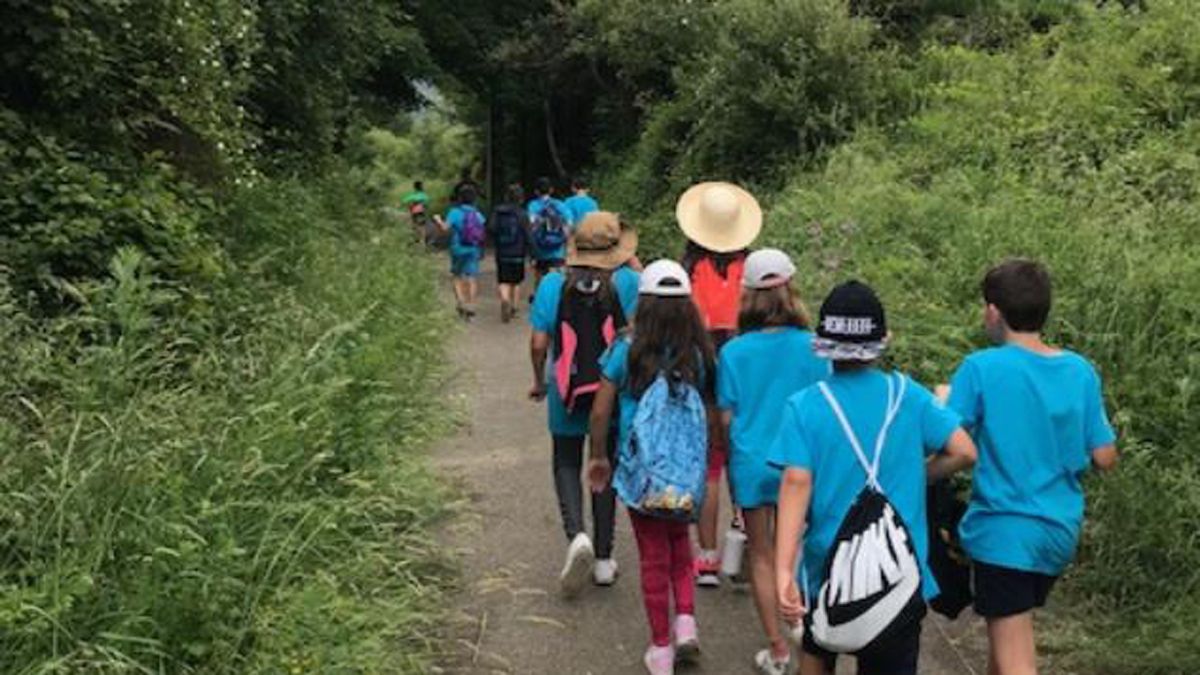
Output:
x,y
948,561
509,233
589,319
872,588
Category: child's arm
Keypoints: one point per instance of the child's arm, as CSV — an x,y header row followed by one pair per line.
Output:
x,y
599,470
1105,457
539,346
795,491
959,454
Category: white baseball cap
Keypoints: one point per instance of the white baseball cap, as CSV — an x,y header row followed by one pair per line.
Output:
x,y
665,279
767,268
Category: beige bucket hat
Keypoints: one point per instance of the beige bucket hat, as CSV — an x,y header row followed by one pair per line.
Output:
x,y
602,240
721,217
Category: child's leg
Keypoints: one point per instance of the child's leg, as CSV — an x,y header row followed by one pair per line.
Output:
x,y
1011,648
710,513
813,665
568,465
472,290
654,556
683,583
604,508
460,290
761,542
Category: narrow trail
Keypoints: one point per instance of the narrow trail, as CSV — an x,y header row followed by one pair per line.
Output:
x,y
509,618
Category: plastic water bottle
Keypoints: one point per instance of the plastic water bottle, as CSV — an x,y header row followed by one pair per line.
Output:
x,y
732,552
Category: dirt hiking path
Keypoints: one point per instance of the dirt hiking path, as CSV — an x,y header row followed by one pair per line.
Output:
x,y
509,618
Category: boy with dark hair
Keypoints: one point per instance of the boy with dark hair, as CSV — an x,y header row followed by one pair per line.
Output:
x,y
1037,414
581,202
466,226
857,450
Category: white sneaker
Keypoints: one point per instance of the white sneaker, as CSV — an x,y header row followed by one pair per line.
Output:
x,y
605,572
687,638
769,665
579,563
660,660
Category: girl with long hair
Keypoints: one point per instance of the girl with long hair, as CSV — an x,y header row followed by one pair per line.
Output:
x,y
668,339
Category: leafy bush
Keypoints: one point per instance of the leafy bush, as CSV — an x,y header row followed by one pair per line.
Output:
x,y
245,501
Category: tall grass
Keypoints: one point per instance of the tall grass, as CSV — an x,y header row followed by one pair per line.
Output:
x,y
240,492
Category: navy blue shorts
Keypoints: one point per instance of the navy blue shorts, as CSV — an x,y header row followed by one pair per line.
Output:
x,y
1003,591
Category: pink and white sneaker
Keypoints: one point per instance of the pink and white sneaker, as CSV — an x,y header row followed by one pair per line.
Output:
x,y
660,660
687,638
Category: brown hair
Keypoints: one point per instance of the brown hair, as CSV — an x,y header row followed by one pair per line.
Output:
x,y
669,337
1021,290
776,307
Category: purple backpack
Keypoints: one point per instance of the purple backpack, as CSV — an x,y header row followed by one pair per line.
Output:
x,y
473,233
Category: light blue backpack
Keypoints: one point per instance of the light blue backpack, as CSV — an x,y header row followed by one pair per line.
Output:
x,y
662,468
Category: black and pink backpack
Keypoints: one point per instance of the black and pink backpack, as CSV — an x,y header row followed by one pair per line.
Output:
x,y
589,319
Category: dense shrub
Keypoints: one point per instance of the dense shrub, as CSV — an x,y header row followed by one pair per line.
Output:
x,y
242,501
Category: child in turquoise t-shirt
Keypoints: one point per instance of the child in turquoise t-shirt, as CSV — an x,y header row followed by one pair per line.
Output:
x,y
771,359
668,338
824,472
1038,416
581,202
464,255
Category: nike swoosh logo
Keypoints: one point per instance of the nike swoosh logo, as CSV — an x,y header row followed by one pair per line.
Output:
x,y
858,633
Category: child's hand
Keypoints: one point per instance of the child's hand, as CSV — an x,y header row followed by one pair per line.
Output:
x,y
791,605
942,391
537,392
599,473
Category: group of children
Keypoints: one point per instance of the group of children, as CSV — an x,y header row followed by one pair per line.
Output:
x,y
828,453
533,234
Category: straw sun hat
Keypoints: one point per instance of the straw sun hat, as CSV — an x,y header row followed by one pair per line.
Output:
x,y
721,217
602,241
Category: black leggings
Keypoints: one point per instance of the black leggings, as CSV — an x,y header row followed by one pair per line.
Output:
x,y
568,466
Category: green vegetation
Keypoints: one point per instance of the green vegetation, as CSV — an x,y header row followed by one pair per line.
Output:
x,y
1072,137
208,413
218,350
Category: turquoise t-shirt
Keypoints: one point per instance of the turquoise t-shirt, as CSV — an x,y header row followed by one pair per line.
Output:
x,y
1036,419
615,367
534,208
456,219
756,373
543,317
812,438
579,206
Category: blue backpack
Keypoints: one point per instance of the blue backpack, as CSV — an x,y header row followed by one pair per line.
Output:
x,y
549,228
661,471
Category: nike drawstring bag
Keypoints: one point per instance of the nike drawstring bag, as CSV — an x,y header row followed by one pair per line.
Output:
x,y
872,584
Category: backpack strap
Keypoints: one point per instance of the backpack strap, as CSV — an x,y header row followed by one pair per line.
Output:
x,y
895,397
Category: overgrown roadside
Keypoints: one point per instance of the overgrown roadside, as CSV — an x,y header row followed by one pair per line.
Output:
x,y
178,498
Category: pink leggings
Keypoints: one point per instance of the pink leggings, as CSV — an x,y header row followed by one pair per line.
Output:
x,y
665,553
